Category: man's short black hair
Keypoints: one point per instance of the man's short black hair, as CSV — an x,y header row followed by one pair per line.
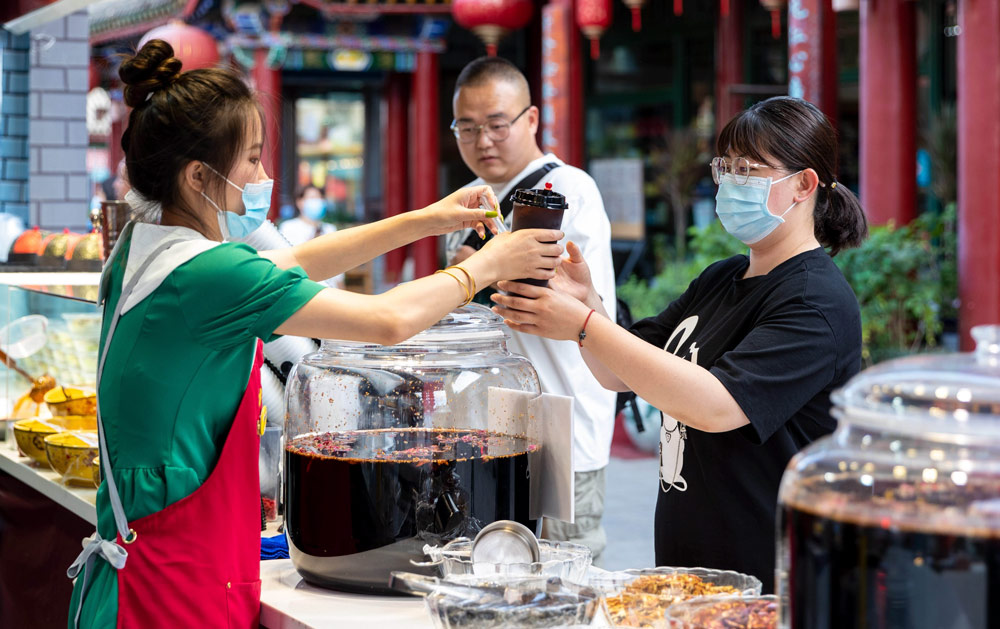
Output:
x,y
487,69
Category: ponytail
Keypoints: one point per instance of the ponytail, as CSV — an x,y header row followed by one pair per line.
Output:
x,y
840,221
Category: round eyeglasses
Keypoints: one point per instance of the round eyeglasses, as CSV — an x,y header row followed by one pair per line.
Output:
x,y
738,167
496,130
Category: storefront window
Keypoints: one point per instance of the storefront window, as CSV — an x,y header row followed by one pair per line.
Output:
x,y
330,150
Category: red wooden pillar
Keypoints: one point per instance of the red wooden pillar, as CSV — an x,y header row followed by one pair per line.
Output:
x,y
396,188
268,84
888,85
728,63
424,154
562,101
978,165
812,54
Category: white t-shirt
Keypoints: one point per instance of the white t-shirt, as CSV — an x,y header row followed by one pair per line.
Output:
x,y
297,231
561,368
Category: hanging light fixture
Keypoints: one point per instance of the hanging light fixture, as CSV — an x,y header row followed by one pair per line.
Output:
x,y
724,8
678,7
193,46
491,20
636,8
775,7
593,17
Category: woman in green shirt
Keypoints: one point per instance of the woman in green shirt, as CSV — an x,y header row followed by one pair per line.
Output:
x,y
185,309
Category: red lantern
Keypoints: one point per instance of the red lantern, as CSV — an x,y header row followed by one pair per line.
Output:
x,y
775,7
678,7
593,17
492,19
724,8
193,46
636,7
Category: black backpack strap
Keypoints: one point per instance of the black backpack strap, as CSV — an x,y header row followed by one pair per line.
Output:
x,y
507,203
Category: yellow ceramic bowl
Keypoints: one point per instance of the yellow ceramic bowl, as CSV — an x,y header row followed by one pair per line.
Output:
x,y
64,401
30,434
73,456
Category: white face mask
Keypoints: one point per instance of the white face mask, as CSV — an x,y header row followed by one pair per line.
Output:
x,y
256,201
743,208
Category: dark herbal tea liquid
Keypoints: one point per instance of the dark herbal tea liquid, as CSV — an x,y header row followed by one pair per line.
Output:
x,y
876,573
361,504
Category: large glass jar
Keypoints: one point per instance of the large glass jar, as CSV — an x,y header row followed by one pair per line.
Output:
x,y
894,520
389,448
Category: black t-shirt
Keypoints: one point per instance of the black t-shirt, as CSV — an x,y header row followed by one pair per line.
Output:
x,y
780,343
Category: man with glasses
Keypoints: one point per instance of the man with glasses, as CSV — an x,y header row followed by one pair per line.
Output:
x,y
495,126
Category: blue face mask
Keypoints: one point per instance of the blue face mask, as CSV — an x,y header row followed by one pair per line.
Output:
x,y
256,201
314,209
743,209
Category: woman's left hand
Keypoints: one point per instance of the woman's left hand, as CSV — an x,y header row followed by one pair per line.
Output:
x,y
462,209
540,311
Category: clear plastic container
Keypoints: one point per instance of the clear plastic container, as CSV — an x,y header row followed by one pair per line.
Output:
x,y
390,448
500,602
730,612
565,560
894,519
640,597
268,464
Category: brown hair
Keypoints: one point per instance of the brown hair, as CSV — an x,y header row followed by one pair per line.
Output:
x,y
180,117
301,192
798,135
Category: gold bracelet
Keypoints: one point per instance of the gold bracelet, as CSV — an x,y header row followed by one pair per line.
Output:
x,y
472,280
468,295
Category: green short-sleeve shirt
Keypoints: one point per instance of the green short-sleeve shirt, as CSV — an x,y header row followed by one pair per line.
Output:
x,y
174,376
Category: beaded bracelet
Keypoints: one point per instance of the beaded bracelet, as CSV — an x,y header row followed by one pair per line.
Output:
x,y
583,331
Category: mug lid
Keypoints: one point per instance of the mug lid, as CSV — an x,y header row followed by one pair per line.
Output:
x,y
546,198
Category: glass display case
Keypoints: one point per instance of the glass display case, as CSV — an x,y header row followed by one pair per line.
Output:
x,y
49,325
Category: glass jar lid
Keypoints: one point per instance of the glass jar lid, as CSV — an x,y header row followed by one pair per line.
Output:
x,y
469,324
951,393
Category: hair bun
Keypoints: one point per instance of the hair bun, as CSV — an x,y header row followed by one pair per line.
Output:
x,y
153,68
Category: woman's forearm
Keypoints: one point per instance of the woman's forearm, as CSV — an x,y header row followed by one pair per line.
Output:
x,y
684,390
387,318
608,379
330,255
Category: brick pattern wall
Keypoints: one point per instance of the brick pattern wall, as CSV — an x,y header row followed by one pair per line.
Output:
x,y
60,191
14,124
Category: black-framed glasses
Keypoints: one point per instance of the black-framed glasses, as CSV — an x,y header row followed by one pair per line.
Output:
x,y
738,167
496,130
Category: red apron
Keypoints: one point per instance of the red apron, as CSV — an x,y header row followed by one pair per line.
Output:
x,y
196,563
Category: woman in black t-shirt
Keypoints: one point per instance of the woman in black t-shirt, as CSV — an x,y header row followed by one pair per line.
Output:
x,y
754,346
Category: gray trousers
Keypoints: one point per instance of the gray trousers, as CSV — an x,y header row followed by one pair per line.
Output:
x,y
588,495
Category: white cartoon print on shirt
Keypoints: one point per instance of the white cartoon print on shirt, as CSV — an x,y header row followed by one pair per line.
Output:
x,y
673,434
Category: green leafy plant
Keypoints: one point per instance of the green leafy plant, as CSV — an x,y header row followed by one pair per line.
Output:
x,y
901,280
650,297
677,163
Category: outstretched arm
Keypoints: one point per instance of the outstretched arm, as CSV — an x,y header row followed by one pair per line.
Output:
x,y
401,312
686,391
332,254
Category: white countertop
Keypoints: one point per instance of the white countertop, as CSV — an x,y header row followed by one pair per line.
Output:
x,y
79,500
288,602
